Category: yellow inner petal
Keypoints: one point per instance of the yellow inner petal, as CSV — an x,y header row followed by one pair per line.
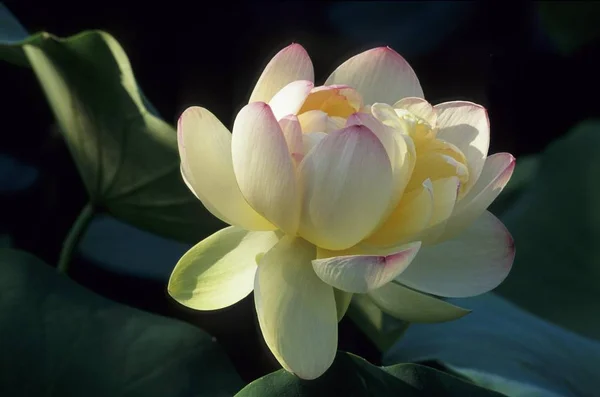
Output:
x,y
330,101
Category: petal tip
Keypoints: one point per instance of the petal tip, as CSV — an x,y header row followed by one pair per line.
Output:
x,y
295,47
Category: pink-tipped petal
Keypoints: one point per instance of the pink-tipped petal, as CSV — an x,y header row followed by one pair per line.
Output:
x,y
496,173
290,98
264,167
379,75
465,125
363,273
473,263
205,149
347,180
290,64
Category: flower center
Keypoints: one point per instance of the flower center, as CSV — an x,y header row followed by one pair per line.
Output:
x,y
435,158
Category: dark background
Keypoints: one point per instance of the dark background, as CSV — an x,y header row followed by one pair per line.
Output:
x,y
503,56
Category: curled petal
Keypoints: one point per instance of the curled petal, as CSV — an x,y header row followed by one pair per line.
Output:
x,y
290,64
363,273
205,150
379,75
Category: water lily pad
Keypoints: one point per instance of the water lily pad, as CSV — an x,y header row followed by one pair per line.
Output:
x,y
126,155
58,338
353,376
498,340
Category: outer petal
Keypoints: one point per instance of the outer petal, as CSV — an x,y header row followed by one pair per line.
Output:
x,y
466,125
379,75
264,168
205,150
495,175
347,180
413,306
296,310
419,107
411,216
290,64
363,273
187,180
219,271
290,98
342,302
475,262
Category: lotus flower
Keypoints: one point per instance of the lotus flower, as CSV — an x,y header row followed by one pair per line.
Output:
x,y
359,186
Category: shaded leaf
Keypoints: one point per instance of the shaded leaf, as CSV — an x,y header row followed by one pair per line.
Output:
x,y
126,155
500,340
502,385
353,376
5,241
556,227
57,338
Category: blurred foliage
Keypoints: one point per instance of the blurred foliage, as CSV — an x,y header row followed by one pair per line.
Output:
x,y
556,226
58,338
525,171
570,24
127,156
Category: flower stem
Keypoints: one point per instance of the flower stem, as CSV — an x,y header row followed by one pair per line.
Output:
x,y
71,241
